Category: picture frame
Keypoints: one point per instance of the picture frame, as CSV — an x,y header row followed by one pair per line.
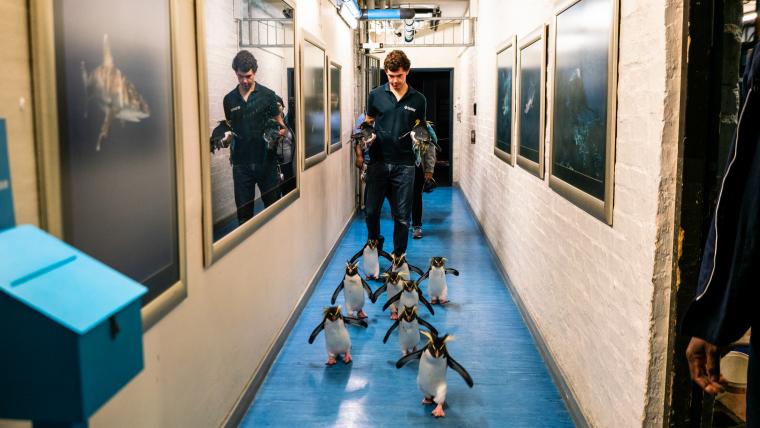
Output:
x,y
586,178
531,114
90,195
335,117
504,119
215,246
314,120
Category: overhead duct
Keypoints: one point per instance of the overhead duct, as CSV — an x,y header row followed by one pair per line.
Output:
x,y
387,14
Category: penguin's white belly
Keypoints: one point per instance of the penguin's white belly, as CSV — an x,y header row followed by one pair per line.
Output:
x,y
353,292
371,262
409,299
337,340
393,289
431,375
437,283
408,334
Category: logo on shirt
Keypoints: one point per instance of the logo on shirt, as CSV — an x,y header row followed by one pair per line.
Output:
x,y
235,108
410,108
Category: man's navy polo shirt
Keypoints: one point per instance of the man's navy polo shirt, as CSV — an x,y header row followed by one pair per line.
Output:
x,y
394,119
248,120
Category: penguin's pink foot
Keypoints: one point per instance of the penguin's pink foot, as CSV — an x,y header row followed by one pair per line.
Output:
x,y
443,302
427,400
394,316
438,411
331,361
371,277
433,301
347,357
361,315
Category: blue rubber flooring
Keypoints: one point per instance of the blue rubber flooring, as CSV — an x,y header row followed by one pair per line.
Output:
x,y
512,385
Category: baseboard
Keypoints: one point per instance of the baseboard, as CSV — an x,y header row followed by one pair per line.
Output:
x,y
237,413
554,371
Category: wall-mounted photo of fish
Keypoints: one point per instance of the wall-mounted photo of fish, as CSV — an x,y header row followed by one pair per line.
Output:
x,y
114,94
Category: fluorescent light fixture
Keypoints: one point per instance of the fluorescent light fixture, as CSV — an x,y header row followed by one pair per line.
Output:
x,y
352,7
348,17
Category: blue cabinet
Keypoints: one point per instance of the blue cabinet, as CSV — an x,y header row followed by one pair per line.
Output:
x,y
70,329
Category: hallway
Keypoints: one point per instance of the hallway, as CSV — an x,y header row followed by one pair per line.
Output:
x,y
512,384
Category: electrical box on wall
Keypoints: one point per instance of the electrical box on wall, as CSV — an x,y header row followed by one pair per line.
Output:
x,y
72,325
472,136
7,218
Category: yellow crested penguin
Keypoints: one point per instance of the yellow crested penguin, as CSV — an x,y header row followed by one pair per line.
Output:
x,y
337,340
431,377
400,264
392,285
408,324
410,295
437,287
370,254
354,287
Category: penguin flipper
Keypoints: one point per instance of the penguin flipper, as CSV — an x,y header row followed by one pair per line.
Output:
x,y
378,292
386,255
425,302
358,254
336,292
459,369
415,269
409,357
388,334
369,290
452,271
316,331
428,325
392,300
423,277
355,321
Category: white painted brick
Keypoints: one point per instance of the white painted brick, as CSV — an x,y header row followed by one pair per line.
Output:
x,y
588,286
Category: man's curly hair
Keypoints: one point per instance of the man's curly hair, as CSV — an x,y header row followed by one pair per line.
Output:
x,y
397,60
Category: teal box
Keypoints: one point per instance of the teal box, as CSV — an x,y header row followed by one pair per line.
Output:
x,y
70,329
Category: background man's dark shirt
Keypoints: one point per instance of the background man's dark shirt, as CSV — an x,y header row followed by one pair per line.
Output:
x,y
392,120
248,119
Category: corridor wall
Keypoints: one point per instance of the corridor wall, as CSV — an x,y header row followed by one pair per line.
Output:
x,y
200,358
597,294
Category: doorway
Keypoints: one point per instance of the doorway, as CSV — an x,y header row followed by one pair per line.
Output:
x,y
436,85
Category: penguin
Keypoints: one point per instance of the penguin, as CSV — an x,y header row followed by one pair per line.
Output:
x,y
410,295
354,287
392,285
370,254
337,340
408,324
437,274
400,264
431,377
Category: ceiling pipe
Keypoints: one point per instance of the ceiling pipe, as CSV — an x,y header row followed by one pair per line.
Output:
x,y
387,14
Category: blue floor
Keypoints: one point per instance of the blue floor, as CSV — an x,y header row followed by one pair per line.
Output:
x,y
512,384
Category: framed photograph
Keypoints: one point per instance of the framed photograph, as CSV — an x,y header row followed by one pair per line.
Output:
x,y
314,93
335,104
531,81
248,109
107,108
582,162
505,100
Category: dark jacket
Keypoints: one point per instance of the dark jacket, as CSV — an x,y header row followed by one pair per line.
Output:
x,y
727,295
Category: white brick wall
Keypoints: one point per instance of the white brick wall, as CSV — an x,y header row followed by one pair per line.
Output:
x,y
598,294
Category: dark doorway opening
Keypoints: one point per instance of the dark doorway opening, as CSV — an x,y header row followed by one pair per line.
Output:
x,y
436,85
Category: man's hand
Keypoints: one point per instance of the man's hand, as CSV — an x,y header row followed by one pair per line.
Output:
x,y
359,162
428,176
704,365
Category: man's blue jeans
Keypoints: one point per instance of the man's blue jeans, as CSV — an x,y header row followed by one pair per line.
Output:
x,y
397,182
